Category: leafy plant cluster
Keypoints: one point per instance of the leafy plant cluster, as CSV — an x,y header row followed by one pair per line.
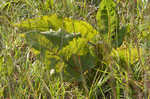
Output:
x,y
106,59
74,40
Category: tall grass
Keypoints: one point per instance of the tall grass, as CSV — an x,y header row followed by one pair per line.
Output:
x,y
22,75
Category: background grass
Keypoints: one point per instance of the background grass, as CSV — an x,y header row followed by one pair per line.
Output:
x,y
23,76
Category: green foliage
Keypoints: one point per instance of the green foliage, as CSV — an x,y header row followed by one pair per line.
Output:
x,y
107,17
43,23
112,61
69,37
49,4
126,54
108,23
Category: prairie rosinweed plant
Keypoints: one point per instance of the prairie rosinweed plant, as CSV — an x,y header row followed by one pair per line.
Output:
x,y
74,49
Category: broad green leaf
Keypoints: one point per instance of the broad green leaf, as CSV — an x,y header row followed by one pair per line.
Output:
x,y
119,37
43,23
48,39
107,17
126,55
77,53
108,22
37,40
82,27
77,63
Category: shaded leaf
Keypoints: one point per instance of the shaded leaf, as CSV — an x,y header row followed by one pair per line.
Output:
x,y
107,17
74,67
108,22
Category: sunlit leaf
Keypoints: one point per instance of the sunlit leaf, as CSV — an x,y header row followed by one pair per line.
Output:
x,y
129,55
43,23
